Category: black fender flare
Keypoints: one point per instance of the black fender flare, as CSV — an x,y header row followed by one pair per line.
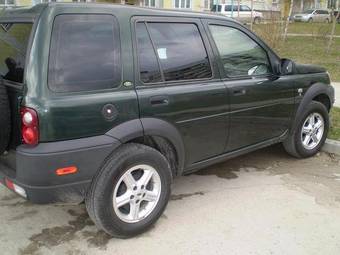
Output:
x,y
313,91
162,128
136,128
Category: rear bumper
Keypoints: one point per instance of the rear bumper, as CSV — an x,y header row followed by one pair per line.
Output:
x,y
33,168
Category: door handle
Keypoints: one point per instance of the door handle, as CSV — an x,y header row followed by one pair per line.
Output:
x,y
239,92
159,100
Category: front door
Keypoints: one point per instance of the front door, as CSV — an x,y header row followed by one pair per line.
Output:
x,y
176,81
261,104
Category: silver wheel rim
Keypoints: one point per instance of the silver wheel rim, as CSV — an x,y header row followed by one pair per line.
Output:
x,y
137,193
312,131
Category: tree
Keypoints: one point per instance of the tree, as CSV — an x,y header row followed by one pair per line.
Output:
x,y
288,17
333,28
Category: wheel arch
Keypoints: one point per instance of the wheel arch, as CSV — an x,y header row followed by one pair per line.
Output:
x,y
155,133
317,92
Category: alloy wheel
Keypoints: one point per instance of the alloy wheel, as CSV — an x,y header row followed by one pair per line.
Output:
x,y
137,193
312,131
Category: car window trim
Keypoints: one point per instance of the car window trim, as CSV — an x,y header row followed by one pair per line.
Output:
x,y
174,19
224,76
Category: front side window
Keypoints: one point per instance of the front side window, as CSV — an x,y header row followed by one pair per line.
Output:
x,y
14,39
84,54
240,55
182,4
180,51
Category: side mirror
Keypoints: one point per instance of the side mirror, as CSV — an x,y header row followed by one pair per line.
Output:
x,y
286,66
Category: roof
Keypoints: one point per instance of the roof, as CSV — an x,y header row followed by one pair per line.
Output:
x,y
33,12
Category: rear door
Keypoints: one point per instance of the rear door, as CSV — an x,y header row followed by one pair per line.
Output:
x,y
261,104
177,81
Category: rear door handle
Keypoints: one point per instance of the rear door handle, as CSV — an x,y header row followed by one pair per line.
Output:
x,y
239,92
159,100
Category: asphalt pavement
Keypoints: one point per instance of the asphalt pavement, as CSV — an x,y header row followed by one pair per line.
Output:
x,y
262,203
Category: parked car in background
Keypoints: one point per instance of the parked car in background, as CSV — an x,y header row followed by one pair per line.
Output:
x,y
335,13
241,13
313,15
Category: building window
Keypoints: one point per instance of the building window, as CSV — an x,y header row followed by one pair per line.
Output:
x,y
4,3
150,3
207,4
182,4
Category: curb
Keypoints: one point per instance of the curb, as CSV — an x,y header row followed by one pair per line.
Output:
x,y
331,146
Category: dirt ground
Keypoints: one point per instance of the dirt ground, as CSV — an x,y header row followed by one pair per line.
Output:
x,y
261,203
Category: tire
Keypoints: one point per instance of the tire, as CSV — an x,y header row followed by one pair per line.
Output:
x,y
257,20
310,20
114,181
5,120
327,21
300,143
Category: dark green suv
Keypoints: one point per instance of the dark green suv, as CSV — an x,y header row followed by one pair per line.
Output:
x,y
108,104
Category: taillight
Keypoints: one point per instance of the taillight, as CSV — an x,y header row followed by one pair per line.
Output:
x,y
29,126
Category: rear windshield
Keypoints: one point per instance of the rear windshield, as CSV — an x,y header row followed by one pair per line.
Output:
x,y
14,39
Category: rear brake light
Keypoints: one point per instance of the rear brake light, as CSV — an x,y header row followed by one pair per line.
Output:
x,y
29,126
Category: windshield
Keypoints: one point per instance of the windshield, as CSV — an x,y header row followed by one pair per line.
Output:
x,y
216,8
308,11
13,44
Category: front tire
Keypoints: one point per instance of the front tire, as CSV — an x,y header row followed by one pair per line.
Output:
x,y
310,20
310,131
130,192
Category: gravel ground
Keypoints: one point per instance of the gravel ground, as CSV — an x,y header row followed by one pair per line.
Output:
x,y
261,203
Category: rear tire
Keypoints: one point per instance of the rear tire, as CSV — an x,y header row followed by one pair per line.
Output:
x,y
130,192
309,133
5,120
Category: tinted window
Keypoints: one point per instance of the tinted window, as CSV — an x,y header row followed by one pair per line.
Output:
x,y
227,8
13,45
85,53
180,50
148,65
216,8
240,55
245,8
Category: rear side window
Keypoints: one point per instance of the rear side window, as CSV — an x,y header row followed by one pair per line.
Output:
x,y
84,54
179,49
14,39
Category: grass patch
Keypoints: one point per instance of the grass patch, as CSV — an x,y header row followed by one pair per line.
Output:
x,y
312,51
312,28
305,50
334,132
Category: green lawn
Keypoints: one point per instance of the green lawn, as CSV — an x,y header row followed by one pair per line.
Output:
x,y
334,132
312,51
312,28
307,50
